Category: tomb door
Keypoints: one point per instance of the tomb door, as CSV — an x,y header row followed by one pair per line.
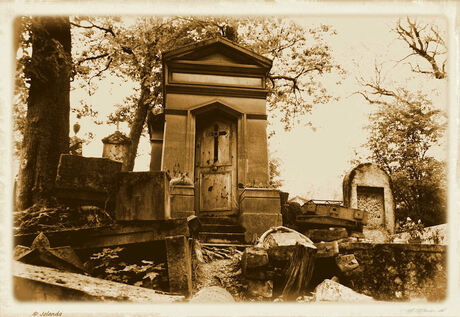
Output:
x,y
215,166
371,200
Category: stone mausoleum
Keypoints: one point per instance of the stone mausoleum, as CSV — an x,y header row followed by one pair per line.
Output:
x,y
212,137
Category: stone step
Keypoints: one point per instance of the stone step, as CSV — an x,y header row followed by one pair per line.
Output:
x,y
219,220
221,237
221,228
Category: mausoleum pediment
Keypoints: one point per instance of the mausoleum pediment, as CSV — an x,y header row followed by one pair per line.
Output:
x,y
218,51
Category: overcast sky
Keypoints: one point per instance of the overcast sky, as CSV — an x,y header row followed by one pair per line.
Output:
x,y
313,160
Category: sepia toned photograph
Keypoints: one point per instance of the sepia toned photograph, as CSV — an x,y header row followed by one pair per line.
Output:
x,y
231,158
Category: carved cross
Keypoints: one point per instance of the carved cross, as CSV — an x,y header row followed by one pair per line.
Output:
x,y
216,133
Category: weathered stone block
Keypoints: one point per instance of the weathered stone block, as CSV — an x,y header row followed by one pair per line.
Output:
x,y
179,265
263,200
256,224
253,258
85,178
346,262
256,274
326,235
182,201
331,291
258,288
327,249
194,225
142,196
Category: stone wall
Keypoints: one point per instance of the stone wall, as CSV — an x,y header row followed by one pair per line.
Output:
x,y
398,271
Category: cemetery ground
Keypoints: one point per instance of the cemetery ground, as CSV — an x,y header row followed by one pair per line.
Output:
x,y
336,265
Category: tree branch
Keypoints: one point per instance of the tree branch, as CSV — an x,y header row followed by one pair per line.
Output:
x,y
106,30
93,58
419,41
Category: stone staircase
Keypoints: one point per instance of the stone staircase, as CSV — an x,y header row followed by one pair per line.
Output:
x,y
221,230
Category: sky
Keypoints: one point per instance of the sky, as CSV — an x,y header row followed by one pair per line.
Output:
x,y
313,159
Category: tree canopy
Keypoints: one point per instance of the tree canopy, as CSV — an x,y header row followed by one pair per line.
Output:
x,y
131,50
406,126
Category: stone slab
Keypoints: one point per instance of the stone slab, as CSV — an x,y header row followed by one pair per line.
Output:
x,y
37,283
142,196
115,235
179,265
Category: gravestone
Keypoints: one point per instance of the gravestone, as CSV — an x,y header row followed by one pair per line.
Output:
x,y
367,187
116,146
212,135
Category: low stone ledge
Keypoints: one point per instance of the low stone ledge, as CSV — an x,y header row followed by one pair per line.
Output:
x,y
37,283
392,271
350,246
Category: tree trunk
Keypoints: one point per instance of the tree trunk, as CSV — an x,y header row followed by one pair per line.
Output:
x,y
46,133
136,129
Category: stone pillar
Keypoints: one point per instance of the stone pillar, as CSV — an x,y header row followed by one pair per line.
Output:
x,y
179,265
116,146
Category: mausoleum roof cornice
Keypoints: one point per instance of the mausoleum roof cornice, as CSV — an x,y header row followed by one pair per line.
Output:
x,y
203,47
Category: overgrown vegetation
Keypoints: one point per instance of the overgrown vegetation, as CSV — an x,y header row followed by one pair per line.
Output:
x,y
54,216
109,264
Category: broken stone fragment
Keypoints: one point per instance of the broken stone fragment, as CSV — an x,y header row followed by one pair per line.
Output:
x,y
280,243
40,242
326,235
194,225
253,257
41,253
331,291
327,249
212,294
346,262
258,288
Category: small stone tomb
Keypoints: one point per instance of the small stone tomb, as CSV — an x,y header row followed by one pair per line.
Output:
x,y
116,146
367,187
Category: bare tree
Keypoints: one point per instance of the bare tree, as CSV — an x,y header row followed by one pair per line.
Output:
x,y
425,41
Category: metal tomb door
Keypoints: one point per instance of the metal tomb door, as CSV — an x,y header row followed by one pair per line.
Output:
x,y
215,166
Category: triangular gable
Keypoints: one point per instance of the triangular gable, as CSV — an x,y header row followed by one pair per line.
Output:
x,y
218,50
